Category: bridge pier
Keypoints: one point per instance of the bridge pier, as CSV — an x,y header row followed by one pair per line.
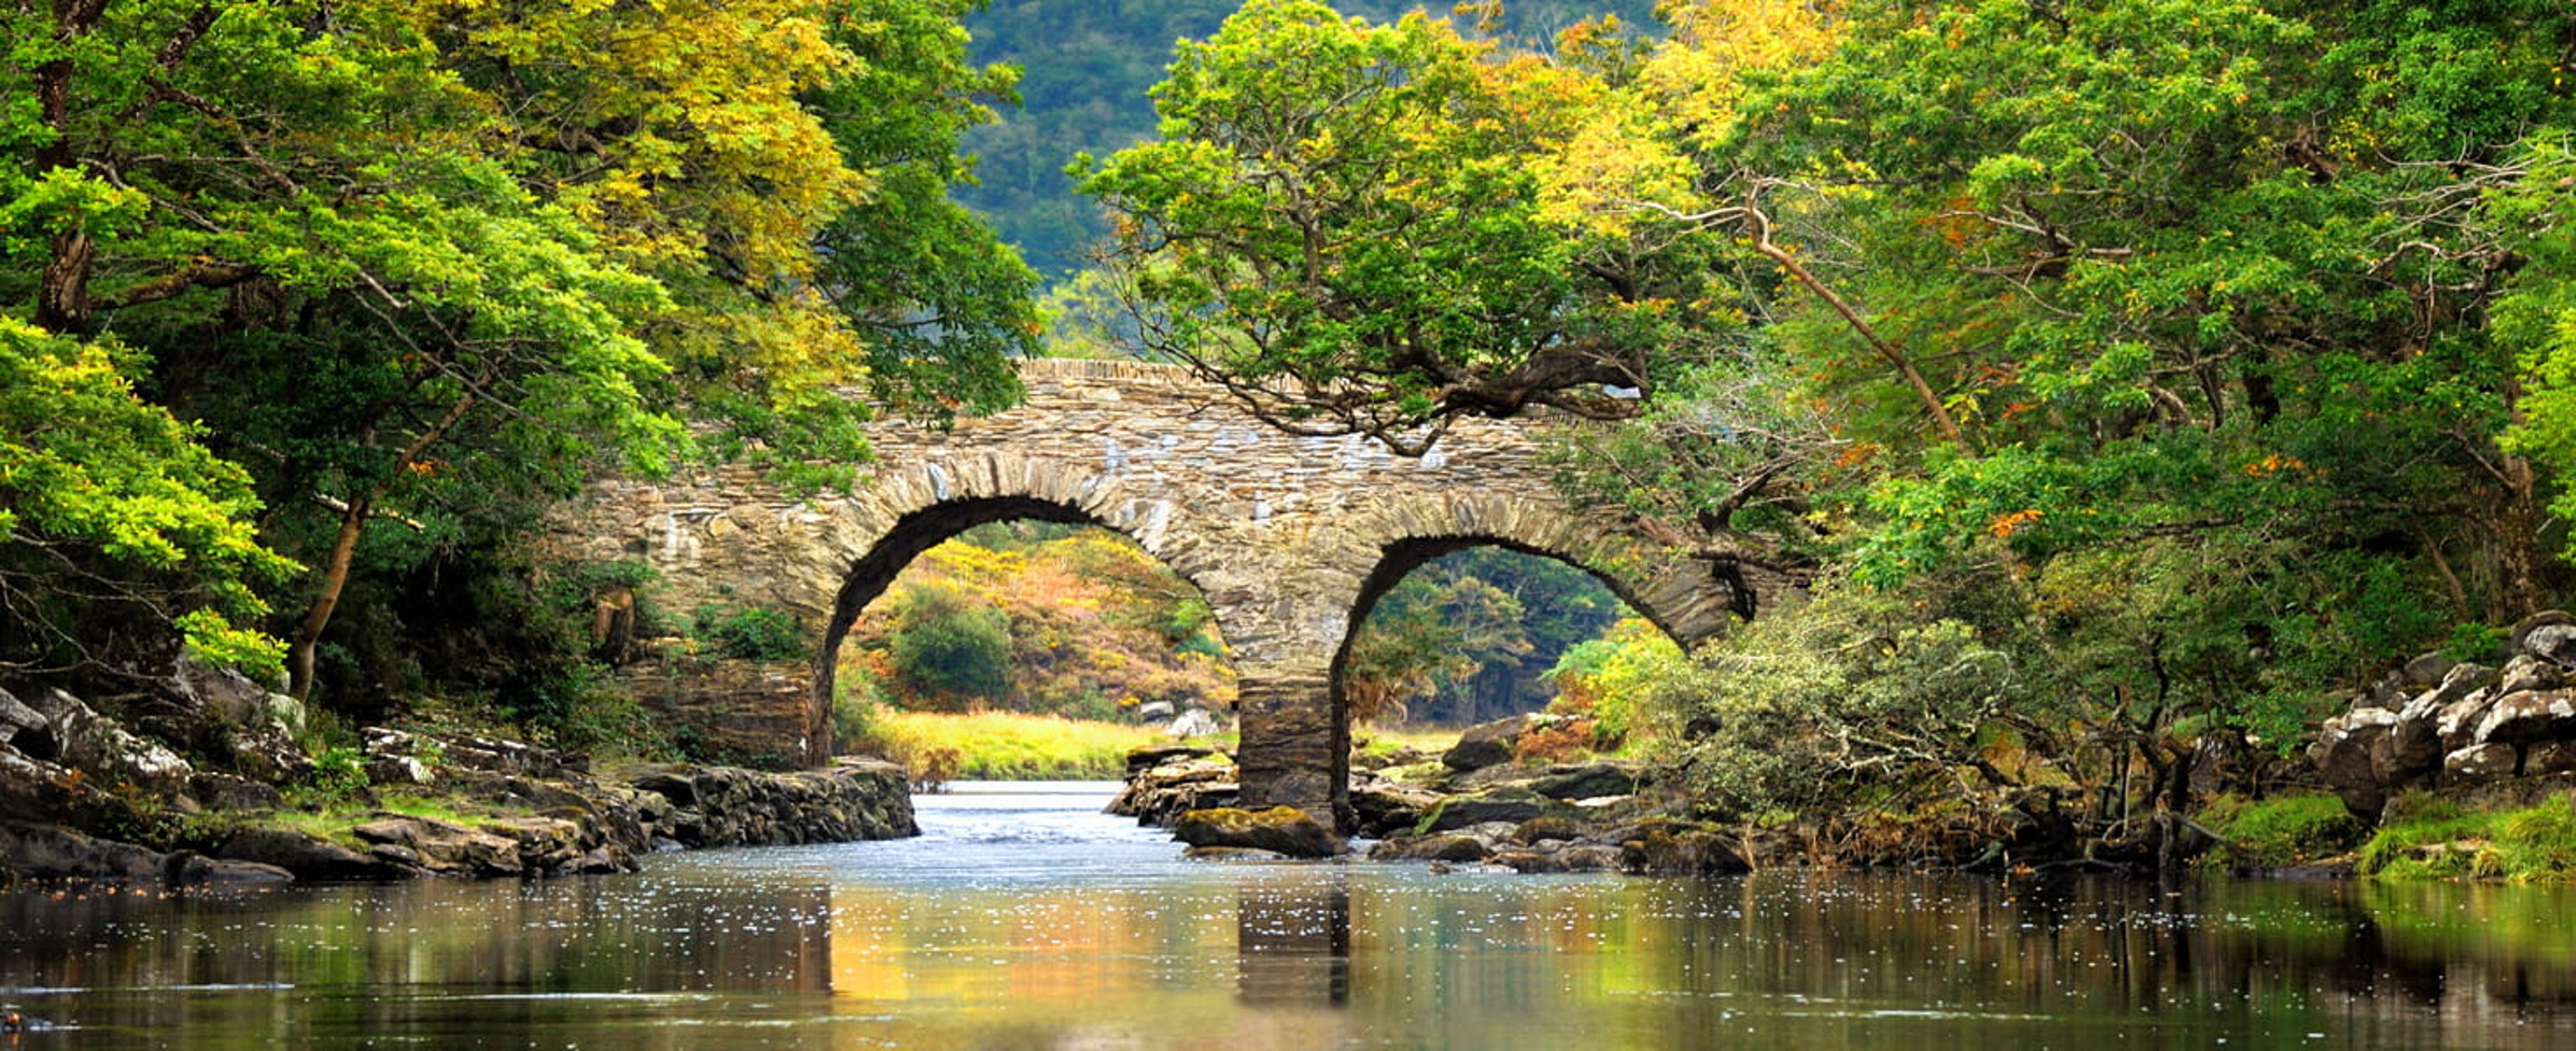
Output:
x,y
1295,750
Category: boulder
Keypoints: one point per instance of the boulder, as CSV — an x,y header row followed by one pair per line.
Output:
x,y
1282,830
2415,745
2341,755
2549,757
2526,672
2520,633
2457,725
1155,711
1385,808
2479,762
104,752
2522,718
1197,722
1538,829
2425,670
1446,846
1511,804
442,846
19,721
310,857
1487,744
1683,851
1236,854
1580,857
1589,780
2555,643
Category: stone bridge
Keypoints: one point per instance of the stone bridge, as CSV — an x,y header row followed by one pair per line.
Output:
x,y
1291,539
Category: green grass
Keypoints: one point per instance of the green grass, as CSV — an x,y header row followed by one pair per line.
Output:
x,y
2285,829
1428,740
1004,746
2441,840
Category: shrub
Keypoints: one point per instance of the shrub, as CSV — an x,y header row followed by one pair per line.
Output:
x,y
751,633
947,645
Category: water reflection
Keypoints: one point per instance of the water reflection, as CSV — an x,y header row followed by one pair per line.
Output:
x,y
1045,938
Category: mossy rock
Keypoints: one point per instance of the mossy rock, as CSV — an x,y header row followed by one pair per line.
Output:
x,y
1282,830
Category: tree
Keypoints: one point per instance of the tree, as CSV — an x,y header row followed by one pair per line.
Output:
x,y
426,264
110,508
1350,226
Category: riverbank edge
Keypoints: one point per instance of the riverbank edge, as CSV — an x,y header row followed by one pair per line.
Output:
x,y
198,782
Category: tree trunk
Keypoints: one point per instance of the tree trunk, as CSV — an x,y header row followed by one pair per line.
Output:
x,y
335,579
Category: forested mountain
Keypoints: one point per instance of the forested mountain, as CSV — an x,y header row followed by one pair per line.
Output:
x,y
1084,70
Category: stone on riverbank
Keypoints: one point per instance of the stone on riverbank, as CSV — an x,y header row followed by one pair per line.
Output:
x,y
2474,724
1281,830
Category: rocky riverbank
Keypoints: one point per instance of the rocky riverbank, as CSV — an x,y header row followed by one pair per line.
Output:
x,y
198,780
2498,729
1475,805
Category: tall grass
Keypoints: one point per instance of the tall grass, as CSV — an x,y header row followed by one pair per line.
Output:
x,y
1004,746
2442,839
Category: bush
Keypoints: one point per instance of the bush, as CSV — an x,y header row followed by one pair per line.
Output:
x,y
751,634
946,645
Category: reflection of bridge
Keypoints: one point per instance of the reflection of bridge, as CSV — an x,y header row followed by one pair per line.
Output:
x,y
1292,539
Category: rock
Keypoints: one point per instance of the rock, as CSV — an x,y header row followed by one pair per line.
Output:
x,y
310,857
2521,718
2549,757
2479,762
1175,781
2425,670
2520,633
1683,852
104,752
1509,804
1155,711
1233,854
2341,755
2555,643
1571,858
1488,744
2415,744
18,721
1284,830
1432,774
1197,722
226,792
1386,808
2457,726
48,852
445,847
1147,757
1440,847
1549,827
2525,672
1589,780
716,806
1373,761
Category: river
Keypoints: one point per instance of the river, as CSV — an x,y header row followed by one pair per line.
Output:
x,y
1022,918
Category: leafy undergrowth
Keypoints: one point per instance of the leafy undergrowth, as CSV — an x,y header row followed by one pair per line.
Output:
x,y
2286,829
1004,746
2439,839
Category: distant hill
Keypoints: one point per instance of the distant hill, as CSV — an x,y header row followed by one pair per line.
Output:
x,y
1085,67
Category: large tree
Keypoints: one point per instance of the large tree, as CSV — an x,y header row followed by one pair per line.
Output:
x,y
428,262
1359,228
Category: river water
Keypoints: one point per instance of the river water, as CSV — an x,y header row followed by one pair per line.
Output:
x,y
1022,918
